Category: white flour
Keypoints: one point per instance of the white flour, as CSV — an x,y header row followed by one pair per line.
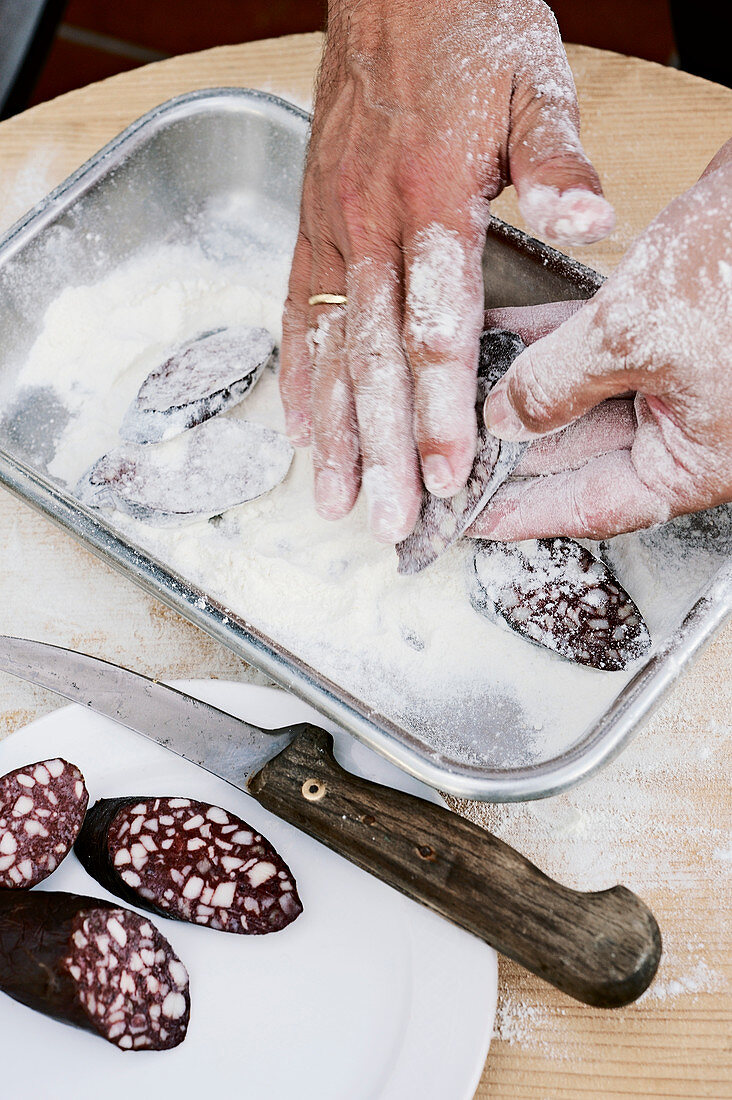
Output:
x,y
412,648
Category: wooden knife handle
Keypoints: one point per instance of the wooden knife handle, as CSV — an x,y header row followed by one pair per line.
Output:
x,y
602,948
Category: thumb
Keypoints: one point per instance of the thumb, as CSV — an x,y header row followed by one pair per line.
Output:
x,y
559,191
556,380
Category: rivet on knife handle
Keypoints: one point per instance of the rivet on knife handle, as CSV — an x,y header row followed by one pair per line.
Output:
x,y
602,948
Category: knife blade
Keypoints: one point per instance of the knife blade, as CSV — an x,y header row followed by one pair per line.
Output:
x,y
602,948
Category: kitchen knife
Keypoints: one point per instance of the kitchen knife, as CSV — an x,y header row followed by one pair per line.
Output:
x,y
602,948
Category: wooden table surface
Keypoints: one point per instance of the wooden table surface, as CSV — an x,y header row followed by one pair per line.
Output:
x,y
650,131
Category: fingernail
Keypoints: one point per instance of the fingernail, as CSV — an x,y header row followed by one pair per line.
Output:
x,y
502,421
331,495
438,476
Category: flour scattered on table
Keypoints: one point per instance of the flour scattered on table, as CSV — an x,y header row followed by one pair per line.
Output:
x,y
625,826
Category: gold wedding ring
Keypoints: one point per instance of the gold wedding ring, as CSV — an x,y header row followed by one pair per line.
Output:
x,y
328,300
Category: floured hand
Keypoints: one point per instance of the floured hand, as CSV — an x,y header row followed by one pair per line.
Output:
x,y
424,112
660,326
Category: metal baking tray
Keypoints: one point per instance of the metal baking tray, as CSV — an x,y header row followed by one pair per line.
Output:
x,y
143,187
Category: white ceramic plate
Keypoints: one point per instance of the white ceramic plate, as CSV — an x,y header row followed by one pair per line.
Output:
x,y
366,996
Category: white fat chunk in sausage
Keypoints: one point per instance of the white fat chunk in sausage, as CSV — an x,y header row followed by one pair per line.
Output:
x,y
8,844
116,931
193,887
23,806
224,895
242,837
261,872
178,973
215,813
174,1006
231,863
126,984
55,767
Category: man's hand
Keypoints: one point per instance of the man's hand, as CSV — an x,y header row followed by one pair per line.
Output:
x,y
661,326
425,111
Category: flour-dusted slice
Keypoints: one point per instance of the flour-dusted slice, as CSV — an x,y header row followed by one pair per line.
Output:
x,y
42,807
555,593
442,521
195,476
205,377
189,861
95,966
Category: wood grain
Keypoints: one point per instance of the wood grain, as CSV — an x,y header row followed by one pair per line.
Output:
x,y
650,131
601,948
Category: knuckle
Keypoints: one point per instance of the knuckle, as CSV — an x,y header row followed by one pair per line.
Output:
x,y
413,178
582,518
530,396
348,185
420,177
424,345
440,333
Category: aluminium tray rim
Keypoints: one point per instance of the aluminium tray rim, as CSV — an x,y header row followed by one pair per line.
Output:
x,y
600,743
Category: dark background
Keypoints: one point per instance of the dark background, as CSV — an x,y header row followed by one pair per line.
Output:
x,y
163,27
98,38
